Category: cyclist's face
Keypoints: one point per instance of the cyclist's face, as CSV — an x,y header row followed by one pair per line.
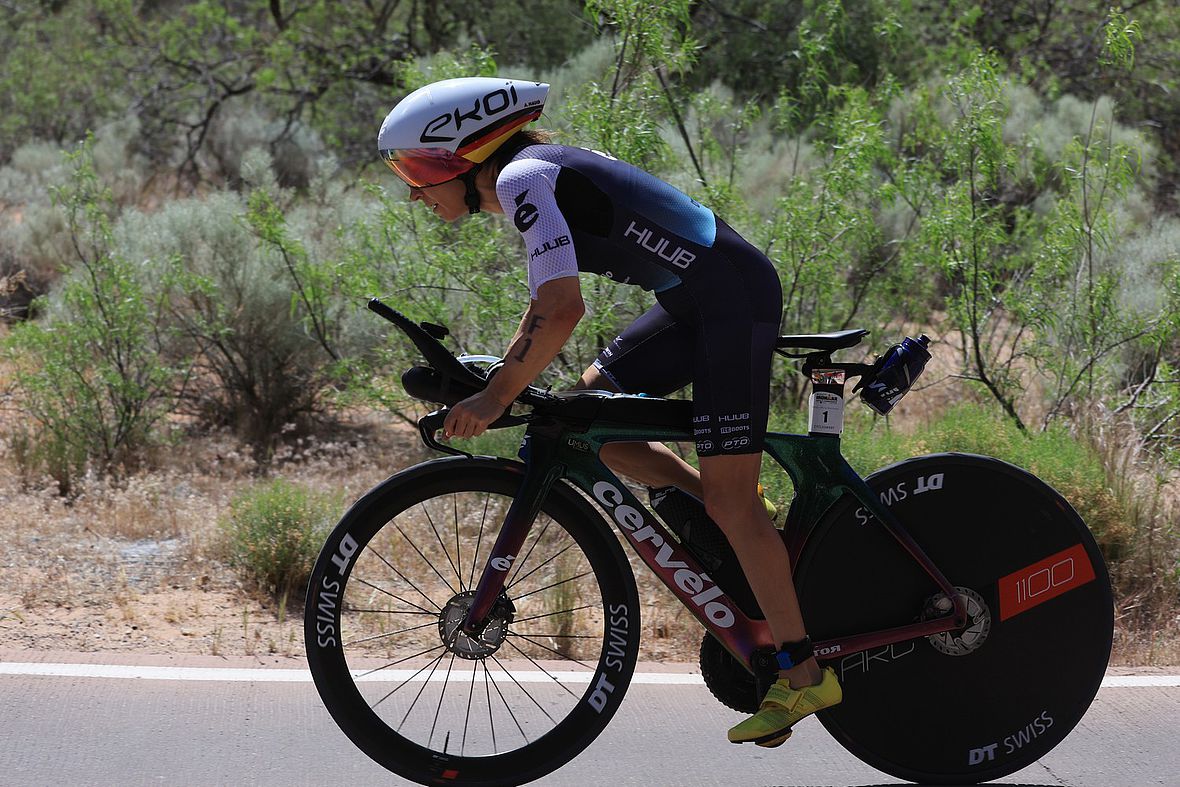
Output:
x,y
445,199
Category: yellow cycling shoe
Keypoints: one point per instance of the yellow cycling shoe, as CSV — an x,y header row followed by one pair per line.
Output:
x,y
783,707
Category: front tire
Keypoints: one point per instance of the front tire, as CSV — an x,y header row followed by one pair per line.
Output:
x,y
434,705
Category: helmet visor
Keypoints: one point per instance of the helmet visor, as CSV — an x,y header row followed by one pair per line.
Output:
x,y
421,167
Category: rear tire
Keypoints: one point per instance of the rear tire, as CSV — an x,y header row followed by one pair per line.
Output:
x,y
508,706
981,703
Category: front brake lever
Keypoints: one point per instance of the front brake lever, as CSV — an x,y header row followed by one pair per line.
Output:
x,y
428,426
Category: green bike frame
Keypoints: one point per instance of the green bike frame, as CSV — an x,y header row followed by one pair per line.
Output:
x,y
560,446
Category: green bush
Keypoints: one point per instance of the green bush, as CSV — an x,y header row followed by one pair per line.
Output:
x,y
1059,458
90,377
274,531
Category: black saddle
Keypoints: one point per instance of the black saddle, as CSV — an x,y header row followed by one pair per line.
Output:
x,y
828,342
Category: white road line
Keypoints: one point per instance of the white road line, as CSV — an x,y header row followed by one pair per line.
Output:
x,y
1140,681
231,675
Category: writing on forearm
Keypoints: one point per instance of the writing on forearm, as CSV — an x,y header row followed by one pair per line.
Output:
x,y
527,339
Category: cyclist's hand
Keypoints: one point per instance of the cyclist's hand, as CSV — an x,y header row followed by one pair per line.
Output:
x,y
470,417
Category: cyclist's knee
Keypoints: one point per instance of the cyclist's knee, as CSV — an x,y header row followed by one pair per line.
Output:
x,y
730,507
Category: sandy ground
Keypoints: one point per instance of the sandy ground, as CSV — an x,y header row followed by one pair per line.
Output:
x,y
139,565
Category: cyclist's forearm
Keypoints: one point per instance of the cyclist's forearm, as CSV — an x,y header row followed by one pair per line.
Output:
x,y
543,331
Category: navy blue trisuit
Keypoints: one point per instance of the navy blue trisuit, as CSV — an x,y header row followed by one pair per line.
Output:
x,y
718,298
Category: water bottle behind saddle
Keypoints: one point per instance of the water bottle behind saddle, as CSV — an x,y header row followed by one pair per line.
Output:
x,y
686,517
894,374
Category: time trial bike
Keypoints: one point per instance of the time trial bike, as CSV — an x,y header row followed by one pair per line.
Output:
x,y
474,620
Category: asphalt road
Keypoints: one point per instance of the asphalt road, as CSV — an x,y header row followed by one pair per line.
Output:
x,y
86,730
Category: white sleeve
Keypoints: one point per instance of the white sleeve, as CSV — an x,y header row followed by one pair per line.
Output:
x,y
525,189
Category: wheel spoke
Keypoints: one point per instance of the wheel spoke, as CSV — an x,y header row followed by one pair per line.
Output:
x,y
458,549
549,560
390,634
487,679
521,563
407,680
555,636
393,595
520,686
545,647
401,576
426,560
555,584
508,707
467,716
518,621
419,611
399,661
547,672
487,500
438,708
425,683
442,546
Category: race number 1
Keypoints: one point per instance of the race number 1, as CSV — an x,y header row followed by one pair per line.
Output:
x,y
826,413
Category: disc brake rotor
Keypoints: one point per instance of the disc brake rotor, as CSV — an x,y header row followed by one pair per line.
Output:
x,y
482,644
960,642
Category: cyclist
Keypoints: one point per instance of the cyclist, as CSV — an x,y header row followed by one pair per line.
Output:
x,y
461,147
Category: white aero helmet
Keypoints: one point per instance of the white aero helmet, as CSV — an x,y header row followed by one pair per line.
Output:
x,y
446,130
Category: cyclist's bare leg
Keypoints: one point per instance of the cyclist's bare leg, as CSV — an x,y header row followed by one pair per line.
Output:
x,y
734,505
653,464
732,502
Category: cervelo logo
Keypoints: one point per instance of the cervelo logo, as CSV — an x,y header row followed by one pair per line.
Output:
x,y
490,105
631,519
659,246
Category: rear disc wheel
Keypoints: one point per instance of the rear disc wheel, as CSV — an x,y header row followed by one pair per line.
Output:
x,y
987,699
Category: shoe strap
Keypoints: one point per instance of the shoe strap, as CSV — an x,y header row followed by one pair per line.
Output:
x,y
781,695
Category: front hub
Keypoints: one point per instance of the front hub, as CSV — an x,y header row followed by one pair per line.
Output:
x,y
487,640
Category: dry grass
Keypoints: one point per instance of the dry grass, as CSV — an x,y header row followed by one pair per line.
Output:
x,y
137,564
1147,577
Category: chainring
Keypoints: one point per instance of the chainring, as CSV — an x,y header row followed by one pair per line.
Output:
x,y
730,682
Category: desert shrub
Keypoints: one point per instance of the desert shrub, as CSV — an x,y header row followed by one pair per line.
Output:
x,y
36,240
91,376
258,305
296,150
273,532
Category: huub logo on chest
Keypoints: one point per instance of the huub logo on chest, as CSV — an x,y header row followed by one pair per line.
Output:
x,y
660,246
